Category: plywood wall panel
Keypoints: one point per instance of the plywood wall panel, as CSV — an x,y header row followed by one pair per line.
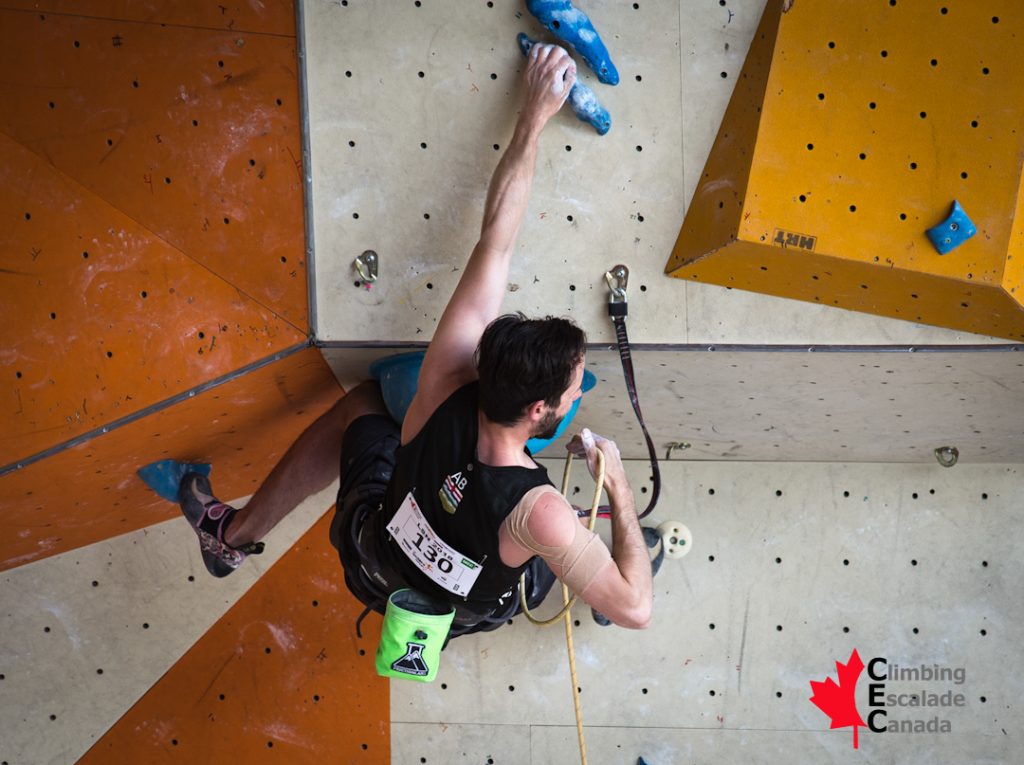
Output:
x,y
794,405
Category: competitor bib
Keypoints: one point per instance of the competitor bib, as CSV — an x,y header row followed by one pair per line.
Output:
x,y
445,565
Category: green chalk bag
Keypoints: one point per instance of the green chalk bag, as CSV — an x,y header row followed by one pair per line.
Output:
x,y
414,631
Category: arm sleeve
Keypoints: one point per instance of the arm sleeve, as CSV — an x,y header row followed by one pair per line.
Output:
x,y
579,562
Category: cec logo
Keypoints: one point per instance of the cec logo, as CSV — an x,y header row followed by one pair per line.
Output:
x,y
837,699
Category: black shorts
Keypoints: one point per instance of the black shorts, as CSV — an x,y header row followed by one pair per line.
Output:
x,y
367,462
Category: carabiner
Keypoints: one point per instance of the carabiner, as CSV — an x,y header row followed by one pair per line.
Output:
x,y
366,265
617,280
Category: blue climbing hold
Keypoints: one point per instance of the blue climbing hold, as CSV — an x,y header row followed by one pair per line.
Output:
x,y
164,476
953,231
573,26
536,444
581,98
398,377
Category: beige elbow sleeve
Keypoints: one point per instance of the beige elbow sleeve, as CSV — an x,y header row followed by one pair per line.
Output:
x,y
580,561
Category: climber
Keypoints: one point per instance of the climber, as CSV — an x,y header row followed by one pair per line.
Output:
x,y
450,502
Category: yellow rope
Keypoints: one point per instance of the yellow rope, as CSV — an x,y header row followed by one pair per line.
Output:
x,y
566,612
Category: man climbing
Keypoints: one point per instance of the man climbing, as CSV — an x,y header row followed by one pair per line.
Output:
x,y
451,503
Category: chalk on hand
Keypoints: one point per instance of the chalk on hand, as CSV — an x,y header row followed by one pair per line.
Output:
x,y
573,26
581,98
587,437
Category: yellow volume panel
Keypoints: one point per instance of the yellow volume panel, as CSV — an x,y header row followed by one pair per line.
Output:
x,y
852,131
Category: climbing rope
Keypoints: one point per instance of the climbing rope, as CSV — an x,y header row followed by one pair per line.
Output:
x,y
566,612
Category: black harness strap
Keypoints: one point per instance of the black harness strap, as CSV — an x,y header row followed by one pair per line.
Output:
x,y
617,310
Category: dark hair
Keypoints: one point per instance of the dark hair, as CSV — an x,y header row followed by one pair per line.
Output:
x,y
521,360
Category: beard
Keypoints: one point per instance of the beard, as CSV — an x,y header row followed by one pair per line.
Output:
x,y
548,425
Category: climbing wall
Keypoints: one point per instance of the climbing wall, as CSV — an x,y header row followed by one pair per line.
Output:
x,y
793,567
140,267
795,403
280,676
155,282
88,633
835,530
619,198
844,143
154,291
404,143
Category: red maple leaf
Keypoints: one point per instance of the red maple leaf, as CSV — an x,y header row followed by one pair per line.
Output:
x,y
837,700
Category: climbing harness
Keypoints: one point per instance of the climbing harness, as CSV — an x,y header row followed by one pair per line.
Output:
x,y
566,612
617,280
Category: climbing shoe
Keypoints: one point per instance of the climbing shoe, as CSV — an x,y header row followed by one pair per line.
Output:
x,y
210,518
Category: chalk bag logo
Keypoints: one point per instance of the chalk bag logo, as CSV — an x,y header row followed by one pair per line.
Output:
x,y
412,663
838,702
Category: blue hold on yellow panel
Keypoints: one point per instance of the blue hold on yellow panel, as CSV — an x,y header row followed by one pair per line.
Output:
x,y
953,231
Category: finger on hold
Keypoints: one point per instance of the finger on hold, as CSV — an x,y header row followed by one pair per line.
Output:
x,y
588,439
569,77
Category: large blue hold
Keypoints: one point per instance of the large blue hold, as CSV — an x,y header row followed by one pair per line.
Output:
x,y
573,26
581,98
399,375
164,476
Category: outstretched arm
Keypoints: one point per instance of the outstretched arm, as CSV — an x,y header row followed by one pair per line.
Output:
x,y
550,74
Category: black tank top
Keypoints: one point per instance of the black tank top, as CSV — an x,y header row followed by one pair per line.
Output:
x,y
464,501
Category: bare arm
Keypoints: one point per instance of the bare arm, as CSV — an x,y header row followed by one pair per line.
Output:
x,y
622,589
477,298
623,592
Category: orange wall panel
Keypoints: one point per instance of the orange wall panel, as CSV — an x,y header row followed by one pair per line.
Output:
x,y
269,17
91,492
281,677
193,133
101,317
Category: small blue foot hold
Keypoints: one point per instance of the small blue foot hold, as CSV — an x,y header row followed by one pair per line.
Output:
x,y
953,231
581,98
573,26
165,476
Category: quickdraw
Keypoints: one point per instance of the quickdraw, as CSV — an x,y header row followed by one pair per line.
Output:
x,y
618,307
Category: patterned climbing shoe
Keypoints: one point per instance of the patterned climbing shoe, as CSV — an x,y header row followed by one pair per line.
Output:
x,y
210,518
